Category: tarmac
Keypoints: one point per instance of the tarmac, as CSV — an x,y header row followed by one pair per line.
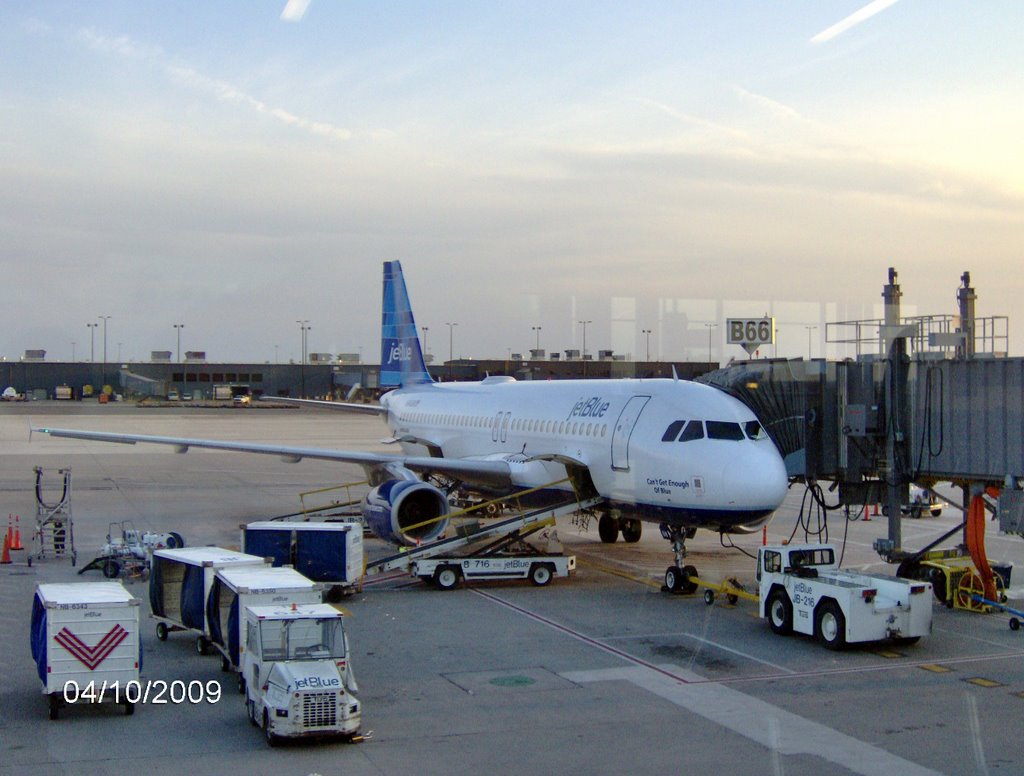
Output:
x,y
601,673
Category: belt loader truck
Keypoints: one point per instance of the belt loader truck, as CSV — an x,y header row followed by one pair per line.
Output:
x,y
298,677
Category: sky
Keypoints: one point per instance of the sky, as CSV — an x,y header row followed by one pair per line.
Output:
x,y
239,167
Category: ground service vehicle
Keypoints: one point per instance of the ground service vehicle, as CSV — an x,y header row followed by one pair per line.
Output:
x,y
802,589
85,643
298,678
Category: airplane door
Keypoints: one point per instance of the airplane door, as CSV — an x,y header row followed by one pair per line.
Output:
x,y
624,430
496,427
504,427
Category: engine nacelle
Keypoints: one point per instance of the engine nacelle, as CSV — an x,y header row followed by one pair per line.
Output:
x,y
406,511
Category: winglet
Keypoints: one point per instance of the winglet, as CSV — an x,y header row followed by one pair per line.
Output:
x,y
401,357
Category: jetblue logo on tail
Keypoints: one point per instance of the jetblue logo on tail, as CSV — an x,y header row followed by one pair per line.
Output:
x,y
400,354
397,352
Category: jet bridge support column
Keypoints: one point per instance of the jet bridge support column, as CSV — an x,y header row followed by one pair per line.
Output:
x,y
896,465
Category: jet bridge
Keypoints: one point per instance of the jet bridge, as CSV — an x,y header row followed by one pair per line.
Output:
x,y
927,406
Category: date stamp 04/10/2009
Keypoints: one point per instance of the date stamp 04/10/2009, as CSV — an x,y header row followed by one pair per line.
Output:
x,y
156,692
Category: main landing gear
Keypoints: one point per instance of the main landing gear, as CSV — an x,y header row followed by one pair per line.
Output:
x,y
679,578
609,528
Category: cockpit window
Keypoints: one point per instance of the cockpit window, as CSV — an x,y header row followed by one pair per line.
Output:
x,y
673,431
721,429
694,430
754,430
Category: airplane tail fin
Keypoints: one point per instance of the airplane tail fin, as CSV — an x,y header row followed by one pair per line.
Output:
x,y
401,358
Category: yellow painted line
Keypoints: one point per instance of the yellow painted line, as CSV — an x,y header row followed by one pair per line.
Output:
x,y
982,682
936,669
618,573
889,654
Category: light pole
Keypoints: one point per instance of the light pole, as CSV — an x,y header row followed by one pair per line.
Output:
x,y
537,329
809,330
584,324
426,350
451,350
711,327
73,350
92,342
104,318
178,327
304,327
648,333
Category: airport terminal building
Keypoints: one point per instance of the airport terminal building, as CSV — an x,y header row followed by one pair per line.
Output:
x,y
199,380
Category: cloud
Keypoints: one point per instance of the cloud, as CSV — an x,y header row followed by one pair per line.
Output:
x,y
865,13
294,10
183,74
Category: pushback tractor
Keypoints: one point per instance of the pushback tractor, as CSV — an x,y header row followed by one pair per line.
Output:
x,y
803,590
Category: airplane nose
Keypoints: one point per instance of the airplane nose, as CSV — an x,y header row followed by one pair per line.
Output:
x,y
756,480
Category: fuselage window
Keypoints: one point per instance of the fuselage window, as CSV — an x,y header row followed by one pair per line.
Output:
x,y
672,432
604,429
561,428
721,429
694,430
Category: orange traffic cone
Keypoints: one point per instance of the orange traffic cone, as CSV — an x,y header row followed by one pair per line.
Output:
x,y
867,515
10,529
16,544
6,558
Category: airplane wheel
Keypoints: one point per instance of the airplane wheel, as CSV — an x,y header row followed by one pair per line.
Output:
x,y
831,625
689,574
608,529
780,612
631,530
674,579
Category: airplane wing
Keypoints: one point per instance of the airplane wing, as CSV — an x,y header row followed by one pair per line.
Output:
x,y
485,473
365,409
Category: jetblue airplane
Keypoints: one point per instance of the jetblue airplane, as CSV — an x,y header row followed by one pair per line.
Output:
x,y
670,451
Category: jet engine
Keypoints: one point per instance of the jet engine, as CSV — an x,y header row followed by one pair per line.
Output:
x,y
406,511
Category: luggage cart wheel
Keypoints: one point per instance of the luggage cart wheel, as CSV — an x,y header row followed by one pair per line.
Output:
x,y
709,597
161,631
1014,624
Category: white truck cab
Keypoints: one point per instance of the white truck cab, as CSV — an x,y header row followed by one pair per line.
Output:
x,y
297,673
803,590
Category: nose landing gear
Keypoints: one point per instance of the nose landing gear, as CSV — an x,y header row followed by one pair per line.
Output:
x,y
679,578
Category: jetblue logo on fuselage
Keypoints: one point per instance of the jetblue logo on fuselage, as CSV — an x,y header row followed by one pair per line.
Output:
x,y
594,407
